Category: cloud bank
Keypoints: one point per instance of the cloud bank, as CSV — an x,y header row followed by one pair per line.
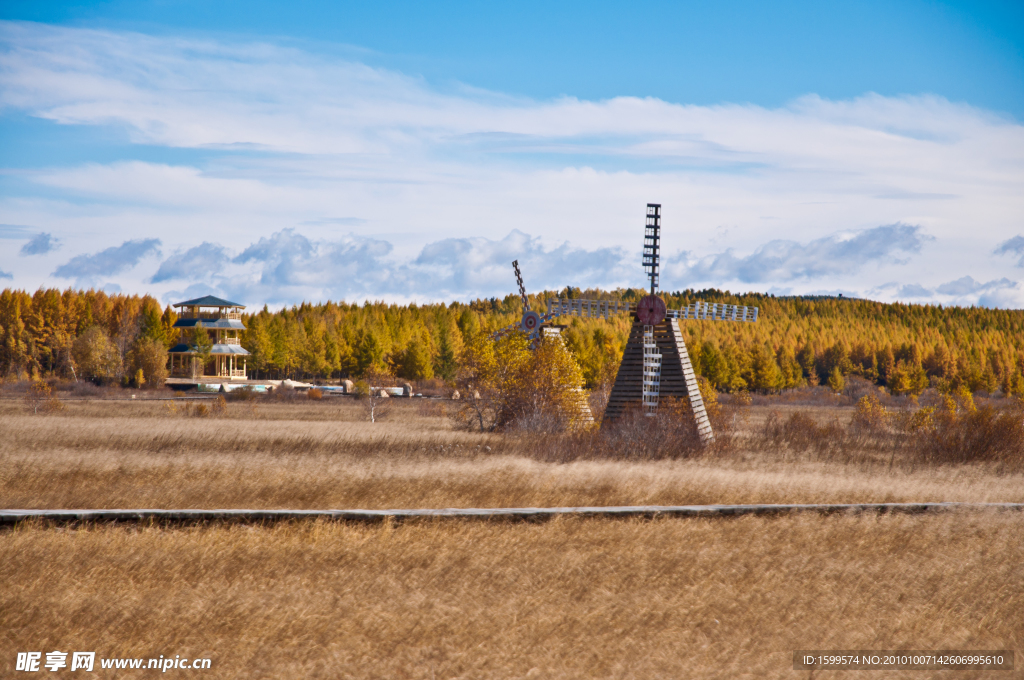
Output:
x,y
779,260
289,265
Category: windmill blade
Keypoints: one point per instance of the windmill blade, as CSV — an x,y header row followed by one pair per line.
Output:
x,y
522,288
714,311
652,244
512,328
590,309
705,311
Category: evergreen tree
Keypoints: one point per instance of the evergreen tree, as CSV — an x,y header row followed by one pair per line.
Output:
x,y
417,364
836,381
446,362
151,322
370,354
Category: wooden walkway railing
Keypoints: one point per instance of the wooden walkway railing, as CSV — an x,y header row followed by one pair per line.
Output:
x,y
10,517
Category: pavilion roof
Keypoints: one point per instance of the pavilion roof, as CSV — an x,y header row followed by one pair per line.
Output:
x,y
185,348
208,301
211,324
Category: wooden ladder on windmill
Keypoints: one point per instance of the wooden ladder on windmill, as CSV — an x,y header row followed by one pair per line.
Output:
x,y
655,362
651,373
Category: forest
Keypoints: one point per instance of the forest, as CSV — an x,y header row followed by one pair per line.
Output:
x,y
797,341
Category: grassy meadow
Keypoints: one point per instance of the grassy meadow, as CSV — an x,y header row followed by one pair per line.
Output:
x,y
569,598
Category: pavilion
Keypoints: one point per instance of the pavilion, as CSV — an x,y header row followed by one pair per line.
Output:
x,y
222,320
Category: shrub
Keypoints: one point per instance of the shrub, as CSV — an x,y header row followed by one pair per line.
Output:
x,y
870,415
244,393
190,409
40,397
634,435
961,435
956,432
800,433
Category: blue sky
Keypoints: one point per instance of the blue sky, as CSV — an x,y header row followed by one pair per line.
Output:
x,y
286,151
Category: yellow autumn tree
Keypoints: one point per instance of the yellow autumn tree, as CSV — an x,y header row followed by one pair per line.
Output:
x,y
505,385
546,393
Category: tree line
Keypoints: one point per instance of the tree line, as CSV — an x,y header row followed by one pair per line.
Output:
x,y
795,342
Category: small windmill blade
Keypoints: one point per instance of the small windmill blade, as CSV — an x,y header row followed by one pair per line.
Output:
x,y
714,311
522,288
587,308
511,328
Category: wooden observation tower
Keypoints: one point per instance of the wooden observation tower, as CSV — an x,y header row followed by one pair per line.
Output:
x,y
223,322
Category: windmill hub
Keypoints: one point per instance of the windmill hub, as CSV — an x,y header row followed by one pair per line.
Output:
x,y
651,310
531,322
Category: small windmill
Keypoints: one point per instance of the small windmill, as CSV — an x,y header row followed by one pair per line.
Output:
x,y
537,327
655,361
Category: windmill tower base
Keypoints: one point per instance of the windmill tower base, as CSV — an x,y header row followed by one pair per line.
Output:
x,y
585,415
677,376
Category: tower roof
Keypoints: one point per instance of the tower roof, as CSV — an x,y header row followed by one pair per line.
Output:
x,y
208,301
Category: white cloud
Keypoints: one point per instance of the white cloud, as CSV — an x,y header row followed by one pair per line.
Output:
x,y
424,181
965,291
914,290
965,286
40,244
86,269
833,255
202,262
460,266
1013,246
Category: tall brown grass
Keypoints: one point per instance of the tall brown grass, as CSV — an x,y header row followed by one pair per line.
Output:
x,y
321,455
566,599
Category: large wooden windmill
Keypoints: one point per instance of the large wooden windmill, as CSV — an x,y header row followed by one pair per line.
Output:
x,y
655,362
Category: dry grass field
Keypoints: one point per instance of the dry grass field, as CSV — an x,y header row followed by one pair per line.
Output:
x,y
577,598
323,455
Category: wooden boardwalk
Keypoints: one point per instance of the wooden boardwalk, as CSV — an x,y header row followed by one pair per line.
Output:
x,y
13,517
